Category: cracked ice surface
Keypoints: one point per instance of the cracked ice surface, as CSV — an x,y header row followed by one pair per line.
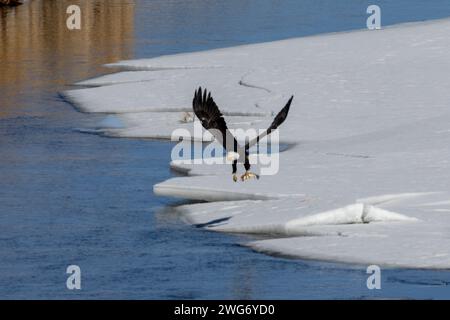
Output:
x,y
366,176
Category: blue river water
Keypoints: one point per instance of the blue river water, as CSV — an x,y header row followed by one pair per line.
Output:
x,y
72,198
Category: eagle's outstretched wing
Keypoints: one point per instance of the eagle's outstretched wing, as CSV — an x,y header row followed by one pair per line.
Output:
x,y
212,119
279,119
281,116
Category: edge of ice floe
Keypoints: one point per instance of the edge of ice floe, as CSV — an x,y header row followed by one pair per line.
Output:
x,y
263,246
136,64
204,194
358,213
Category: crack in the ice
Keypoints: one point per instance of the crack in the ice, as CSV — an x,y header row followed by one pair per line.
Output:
x,y
348,155
248,85
244,84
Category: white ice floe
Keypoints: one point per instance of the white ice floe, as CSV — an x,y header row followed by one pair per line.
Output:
x,y
367,173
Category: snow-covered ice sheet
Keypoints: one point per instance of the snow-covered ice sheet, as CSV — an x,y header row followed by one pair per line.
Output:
x,y
366,176
171,92
160,125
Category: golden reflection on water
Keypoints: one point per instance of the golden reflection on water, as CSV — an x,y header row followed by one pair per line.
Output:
x,y
38,53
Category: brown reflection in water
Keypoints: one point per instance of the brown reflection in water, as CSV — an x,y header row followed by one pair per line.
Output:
x,y
38,53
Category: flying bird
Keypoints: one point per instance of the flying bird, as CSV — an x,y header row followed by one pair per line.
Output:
x,y
212,120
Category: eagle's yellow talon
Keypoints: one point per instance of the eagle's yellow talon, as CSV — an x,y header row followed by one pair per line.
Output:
x,y
249,175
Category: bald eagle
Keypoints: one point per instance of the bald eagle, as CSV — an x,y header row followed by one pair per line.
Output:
x,y
212,120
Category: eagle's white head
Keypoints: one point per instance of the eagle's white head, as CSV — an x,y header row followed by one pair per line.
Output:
x,y
232,156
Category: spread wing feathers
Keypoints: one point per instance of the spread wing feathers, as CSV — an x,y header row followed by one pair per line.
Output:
x,y
281,116
279,119
212,119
